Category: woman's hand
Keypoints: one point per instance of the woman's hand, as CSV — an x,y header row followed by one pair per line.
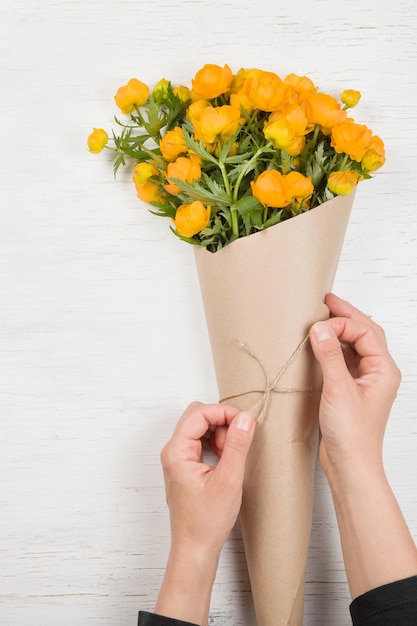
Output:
x,y
203,501
360,383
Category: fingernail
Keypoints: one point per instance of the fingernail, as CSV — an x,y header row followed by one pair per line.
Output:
x,y
322,331
243,421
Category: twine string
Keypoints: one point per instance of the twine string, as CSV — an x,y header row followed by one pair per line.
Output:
x,y
261,406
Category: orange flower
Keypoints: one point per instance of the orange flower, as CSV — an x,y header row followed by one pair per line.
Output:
x,y
324,110
296,148
218,123
270,189
267,91
342,183
173,144
149,192
97,140
300,84
298,186
241,101
135,93
184,169
211,81
295,114
192,218
352,139
374,157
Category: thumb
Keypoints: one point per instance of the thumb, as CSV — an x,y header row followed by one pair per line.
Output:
x,y
231,465
328,351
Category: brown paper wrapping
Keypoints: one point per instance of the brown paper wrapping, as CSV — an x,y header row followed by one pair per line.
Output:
x,y
261,294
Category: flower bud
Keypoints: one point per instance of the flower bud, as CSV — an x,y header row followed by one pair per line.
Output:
x,y
160,91
97,140
342,183
183,93
350,97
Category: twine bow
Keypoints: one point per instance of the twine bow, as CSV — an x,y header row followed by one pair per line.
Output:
x,y
260,408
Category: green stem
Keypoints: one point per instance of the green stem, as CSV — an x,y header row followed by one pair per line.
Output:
x,y
235,223
315,136
245,169
225,179
233,210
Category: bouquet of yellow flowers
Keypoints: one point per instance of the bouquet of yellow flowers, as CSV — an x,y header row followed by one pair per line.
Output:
x,y
229,160
238,153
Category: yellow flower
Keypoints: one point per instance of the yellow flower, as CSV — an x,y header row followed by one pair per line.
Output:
x,y
97,140
183,93
142,173
135,93
218,123
286,129
173,144
146,189
211,81
324,110
192,218
281,133
342,183
352,139
270,189
374,157
267,92
350,97
184,169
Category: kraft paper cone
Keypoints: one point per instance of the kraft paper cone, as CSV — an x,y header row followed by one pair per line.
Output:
x,y
261,294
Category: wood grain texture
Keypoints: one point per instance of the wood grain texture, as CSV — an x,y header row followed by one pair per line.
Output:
x,y
103,339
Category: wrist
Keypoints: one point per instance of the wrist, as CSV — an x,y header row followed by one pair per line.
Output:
x,y
189,577
352,475
376,543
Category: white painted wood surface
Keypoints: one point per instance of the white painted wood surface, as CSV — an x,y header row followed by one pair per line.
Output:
x,y
103,339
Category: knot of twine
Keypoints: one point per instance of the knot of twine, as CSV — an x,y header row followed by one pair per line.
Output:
x,y
260,408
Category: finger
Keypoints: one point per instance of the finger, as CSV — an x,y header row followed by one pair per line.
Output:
x,y
328,352
217,440
342,308
231,467
199,417
362,336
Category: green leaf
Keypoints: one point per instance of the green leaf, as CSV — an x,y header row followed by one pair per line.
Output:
x,y
198,148
195,191
248,205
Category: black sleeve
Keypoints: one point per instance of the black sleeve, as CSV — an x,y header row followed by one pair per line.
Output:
x,y
390,605
150,619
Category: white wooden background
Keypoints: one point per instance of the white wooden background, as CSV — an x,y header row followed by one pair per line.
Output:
x,y
103,338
